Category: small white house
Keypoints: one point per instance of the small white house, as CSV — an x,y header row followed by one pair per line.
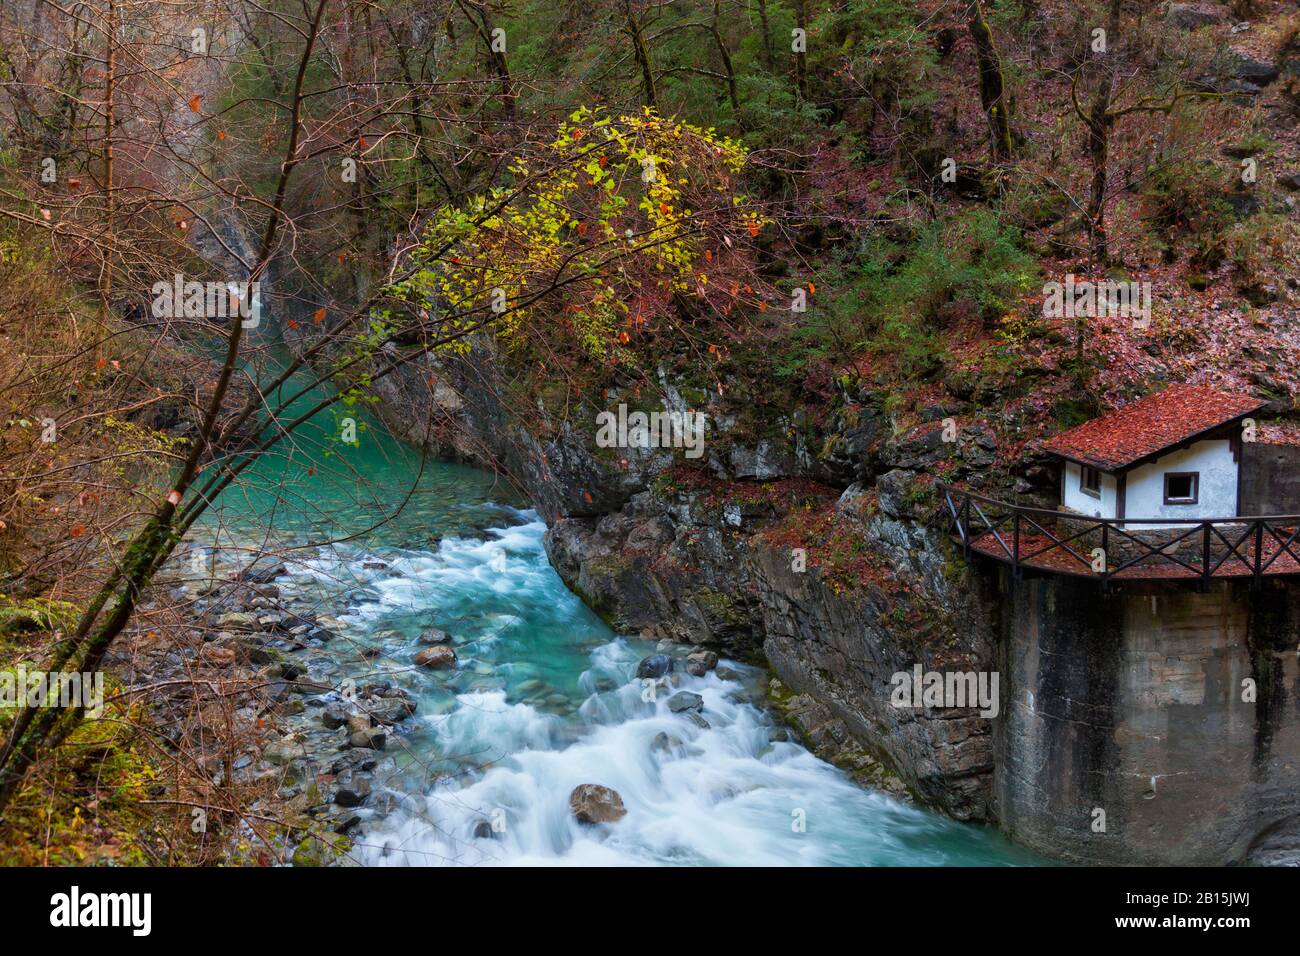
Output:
x,y
1174,454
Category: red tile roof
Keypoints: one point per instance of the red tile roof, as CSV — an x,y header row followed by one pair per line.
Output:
x,y
1149,425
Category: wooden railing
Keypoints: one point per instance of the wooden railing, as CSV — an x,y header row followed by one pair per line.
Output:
x,y
1064,542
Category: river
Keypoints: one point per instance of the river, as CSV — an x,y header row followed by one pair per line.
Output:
x,y
544,695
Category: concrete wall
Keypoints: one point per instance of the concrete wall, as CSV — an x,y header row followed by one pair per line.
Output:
x,y
1144,496
1131,703
1270,479
1076,500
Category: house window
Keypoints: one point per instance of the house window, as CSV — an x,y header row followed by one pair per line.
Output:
x,y
1182,487
1090,481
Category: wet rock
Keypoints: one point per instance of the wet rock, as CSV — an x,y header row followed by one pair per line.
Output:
x,y
483,831
285,750
593,803
363,760
434,636
335,715
438,656
376,738
353,789
684,701
697,720
665,743
390,709
657,665
347,822
700,663
358,723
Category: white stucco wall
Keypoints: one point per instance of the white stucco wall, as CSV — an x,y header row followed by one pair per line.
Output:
x,y
1217,498
1076,500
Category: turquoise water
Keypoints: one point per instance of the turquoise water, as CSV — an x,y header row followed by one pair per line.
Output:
x,y
543,697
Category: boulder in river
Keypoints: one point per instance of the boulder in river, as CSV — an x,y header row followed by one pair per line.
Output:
x,y
657,665
685,701
373,739
440,655
593,803
435,636
700,663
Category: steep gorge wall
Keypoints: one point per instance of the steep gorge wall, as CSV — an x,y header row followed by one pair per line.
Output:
x,y
1132,705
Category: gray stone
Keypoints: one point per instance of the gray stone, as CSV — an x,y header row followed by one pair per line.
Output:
x,y
684,700
657,665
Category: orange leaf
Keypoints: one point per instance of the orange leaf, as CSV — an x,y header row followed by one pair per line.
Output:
x,y
624,337
221,134
762,306
663,209
708,255
582,228
78,530
101,362
196,103
586,496
753,229
319,315
812,288
292,324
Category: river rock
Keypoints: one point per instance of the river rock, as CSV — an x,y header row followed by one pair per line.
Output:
x,y
353,789
700,663
245,620
358,723
665,743
434,636
593,803
335,715
373,739
684,701
657,665
284,750
437,656
214,654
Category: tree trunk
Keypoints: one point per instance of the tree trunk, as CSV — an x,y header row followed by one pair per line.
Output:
x,y
800,66
993,93
727,68
642,55
110,82
768,55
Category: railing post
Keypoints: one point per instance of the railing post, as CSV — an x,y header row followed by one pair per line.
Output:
x,y
965,525
1105,552
1015,542
1259,553
1205,551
